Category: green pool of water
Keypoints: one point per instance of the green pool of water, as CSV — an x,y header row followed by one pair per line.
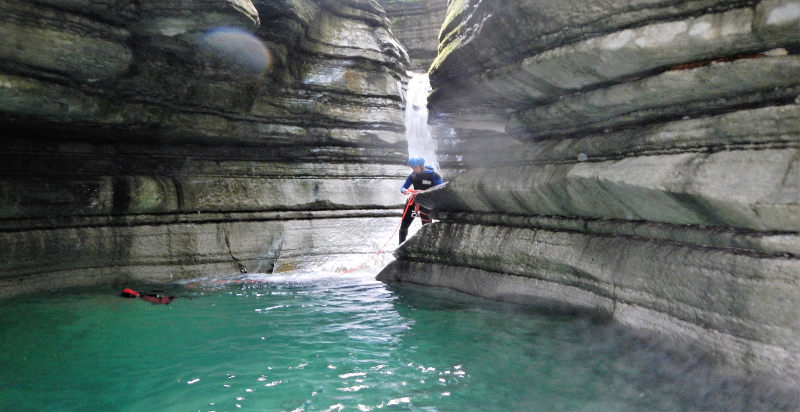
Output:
x,y
327,342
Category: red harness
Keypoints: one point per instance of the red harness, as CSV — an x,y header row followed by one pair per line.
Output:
x,y
426,218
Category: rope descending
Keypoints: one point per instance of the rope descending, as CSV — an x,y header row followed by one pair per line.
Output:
x,y
380,250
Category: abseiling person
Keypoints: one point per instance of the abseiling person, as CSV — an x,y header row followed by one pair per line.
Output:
x,y
422,177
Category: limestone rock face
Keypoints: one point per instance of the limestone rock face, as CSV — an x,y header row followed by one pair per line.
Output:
x,y
641,158
417,23
162,140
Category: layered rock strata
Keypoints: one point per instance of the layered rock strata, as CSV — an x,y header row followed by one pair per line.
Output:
x,y
166,140
416,24
638,158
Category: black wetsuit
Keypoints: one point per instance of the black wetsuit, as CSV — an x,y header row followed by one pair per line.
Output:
x,y
421,181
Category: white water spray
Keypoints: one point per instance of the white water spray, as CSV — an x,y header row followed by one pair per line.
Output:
x,y
418,135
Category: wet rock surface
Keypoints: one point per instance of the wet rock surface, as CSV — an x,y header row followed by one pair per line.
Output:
x,y
166,140
416,24
638,158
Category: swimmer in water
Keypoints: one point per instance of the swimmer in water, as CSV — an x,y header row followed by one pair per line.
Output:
x,y
154,298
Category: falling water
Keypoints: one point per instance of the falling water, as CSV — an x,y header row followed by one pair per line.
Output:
x,y
420,142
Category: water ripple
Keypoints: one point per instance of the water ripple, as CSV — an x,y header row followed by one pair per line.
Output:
x,y
321,342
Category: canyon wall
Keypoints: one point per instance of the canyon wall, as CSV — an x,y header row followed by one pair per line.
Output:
x,y
162,140
638,158
416,24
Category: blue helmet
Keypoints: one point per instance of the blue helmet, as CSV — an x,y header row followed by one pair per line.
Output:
x,y
416,161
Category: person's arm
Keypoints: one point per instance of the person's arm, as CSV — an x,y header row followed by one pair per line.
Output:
x,y
406,185
436,179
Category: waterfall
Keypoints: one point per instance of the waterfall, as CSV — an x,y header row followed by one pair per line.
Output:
x,y
418,135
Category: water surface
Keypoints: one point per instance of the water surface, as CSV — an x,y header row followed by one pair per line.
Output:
x,y
315,342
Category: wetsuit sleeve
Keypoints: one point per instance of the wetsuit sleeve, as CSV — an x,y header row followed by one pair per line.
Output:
x,y
436,180
407,184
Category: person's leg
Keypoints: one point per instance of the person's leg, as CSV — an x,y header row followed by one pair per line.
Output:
x,y
424,215
407,219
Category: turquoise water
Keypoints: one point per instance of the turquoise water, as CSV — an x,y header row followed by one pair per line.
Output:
x,y
327,342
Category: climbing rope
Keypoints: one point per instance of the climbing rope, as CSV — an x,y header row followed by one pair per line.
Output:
x,y
380,250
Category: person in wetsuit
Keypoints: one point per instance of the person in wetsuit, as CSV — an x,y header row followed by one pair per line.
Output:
x,y
153,297
422,177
